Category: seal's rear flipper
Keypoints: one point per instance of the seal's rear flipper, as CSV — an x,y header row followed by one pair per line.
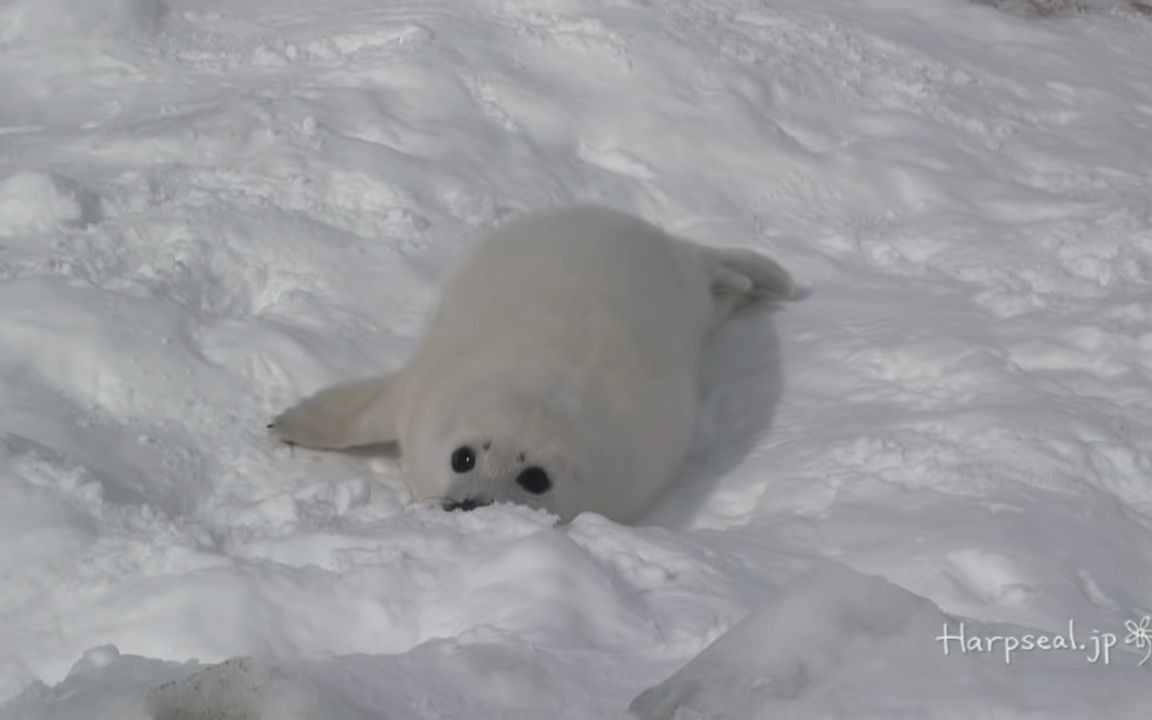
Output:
x,y
351,414
741,277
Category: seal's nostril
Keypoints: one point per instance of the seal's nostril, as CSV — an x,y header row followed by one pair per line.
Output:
x,y
466,504
534,480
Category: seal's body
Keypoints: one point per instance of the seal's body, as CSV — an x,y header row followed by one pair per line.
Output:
x,y
560,369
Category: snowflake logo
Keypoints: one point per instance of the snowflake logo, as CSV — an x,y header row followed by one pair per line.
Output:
x,y
1140,635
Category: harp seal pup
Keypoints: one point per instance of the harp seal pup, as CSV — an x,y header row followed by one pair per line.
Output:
x,y
559,370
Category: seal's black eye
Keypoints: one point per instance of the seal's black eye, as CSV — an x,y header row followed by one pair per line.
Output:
x,y
463,459
534,480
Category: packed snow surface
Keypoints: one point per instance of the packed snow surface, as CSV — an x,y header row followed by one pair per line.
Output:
x,y
209,208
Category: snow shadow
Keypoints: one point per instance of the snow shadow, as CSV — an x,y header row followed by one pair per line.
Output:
x,y
741,384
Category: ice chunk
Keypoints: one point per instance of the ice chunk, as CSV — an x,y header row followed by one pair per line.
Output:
x,y
838,643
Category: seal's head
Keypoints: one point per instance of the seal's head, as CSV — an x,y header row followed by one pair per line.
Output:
x,y
488,473
493,450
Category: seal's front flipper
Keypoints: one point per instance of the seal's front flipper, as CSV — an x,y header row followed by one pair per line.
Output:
x,y
351,414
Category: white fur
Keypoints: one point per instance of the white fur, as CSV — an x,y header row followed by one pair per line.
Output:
x,y
570,341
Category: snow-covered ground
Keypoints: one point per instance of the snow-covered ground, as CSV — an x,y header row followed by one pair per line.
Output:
x,y
211,207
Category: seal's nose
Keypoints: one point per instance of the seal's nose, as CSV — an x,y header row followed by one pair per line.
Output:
x,y
466,504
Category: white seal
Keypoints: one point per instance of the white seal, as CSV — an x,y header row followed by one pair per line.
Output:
x,y
559,370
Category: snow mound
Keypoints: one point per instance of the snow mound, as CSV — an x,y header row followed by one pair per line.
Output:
x,y
229,690
838,643
1045,8
27,21
35,202
440,679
